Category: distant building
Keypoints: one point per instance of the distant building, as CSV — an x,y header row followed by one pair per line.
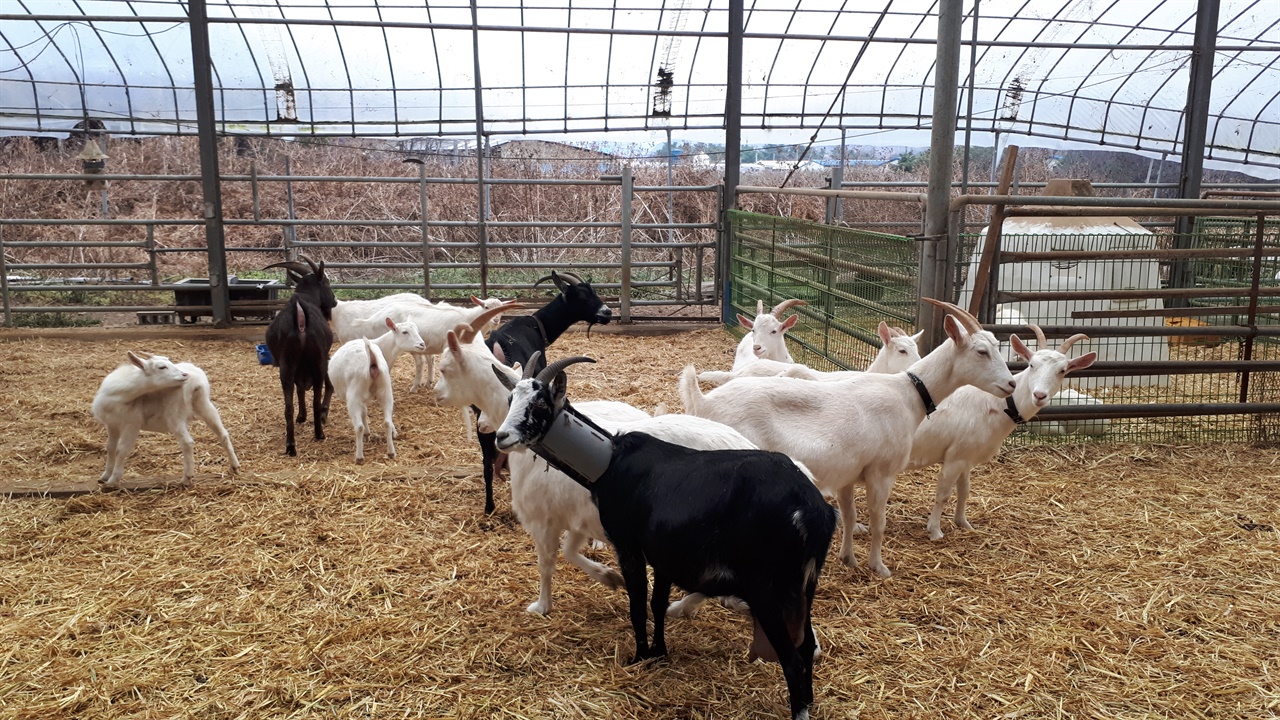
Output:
x,y
554,157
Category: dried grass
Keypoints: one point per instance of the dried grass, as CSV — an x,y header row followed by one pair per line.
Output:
x,y
1109,581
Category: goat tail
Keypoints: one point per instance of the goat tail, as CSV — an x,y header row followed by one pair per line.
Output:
x,y
301,316
373,359
690,394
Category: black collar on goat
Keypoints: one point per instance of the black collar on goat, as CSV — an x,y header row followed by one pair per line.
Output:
x,y
299,338
747,523
522,337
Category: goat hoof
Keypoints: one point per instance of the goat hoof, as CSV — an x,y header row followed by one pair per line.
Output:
x,y
859,529
360,461
391,456
291,451
538,608
489,508
880,570
319,436
935,535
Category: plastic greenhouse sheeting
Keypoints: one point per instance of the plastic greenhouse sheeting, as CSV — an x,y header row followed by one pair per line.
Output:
x,y
1109,72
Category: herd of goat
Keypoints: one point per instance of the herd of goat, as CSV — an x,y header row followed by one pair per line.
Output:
x,y
727,500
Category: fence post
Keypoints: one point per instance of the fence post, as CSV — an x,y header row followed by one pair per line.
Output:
x,y
290,230
1259,241
253,184
426,242
152,264
4,283
624,295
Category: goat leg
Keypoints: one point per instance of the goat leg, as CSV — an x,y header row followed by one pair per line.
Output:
x,y
489,454
317,412
637,581
289,447
797,663
302,404
658,605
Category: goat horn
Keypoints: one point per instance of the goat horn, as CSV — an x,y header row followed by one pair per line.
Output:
x,y
969,322
551,371
544,279
314,269
572,278
1066,344
293,265
784,305
1041,342
759,307
483,318
533,363
506,381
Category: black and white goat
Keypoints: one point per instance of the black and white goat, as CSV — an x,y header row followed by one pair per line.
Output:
x,y
521,338
300,339
746,523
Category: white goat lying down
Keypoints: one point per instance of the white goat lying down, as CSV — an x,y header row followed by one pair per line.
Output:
x,y
969,427
858,430
767,339
898,352
155,394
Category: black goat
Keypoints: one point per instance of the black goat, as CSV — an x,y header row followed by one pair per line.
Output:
x,y
747,523
521,337
300,339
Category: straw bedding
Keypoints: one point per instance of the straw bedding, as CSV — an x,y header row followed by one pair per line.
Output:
x,y
1104,581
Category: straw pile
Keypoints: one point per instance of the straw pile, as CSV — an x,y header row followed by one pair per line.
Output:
x,y
1107,582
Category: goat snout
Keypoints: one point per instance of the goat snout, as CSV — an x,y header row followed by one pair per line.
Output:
x,y
1041,398
504,440
604,315
757,349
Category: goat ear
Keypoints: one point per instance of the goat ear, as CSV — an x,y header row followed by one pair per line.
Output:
x,y
884,332
451,339
477,301
790,322
745,321
1082,362
391,323
136,360
954,331
559,387
1020,347
499,353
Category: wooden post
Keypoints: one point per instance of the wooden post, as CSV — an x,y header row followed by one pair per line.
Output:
x,y
992,244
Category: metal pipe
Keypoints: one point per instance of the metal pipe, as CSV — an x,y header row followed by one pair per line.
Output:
x,y
4,283
1144,330
1153,410
624,295
919,198
1195,128
1255,280
936,247
206,122
968,126
732,148
1152,254
482,231
1025,296
1268,206
426,241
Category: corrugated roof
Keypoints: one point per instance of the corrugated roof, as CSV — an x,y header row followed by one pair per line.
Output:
x,y
1113,72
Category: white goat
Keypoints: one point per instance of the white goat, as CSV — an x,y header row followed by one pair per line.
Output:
x,y
1069,398
969,427
857,430
897,353
767,338
548,504
354,319
361,374
155,394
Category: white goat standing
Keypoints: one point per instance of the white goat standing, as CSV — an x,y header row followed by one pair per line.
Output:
x,y
155,394
969,427
361,374
767,339
859,430
898,352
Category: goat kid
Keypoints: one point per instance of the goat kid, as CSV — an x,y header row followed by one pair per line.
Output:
x,y
746,523
898,352
361,374
153,393
521,337
300,340
858,430
767,337
969,427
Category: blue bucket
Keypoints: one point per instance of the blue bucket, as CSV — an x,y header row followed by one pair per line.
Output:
x,y
264,354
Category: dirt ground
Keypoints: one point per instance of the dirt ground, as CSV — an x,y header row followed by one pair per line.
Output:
x,y
1099,581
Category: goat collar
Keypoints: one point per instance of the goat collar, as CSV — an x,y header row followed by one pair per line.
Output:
x,y
929,407
1011,409
576,446
542,330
